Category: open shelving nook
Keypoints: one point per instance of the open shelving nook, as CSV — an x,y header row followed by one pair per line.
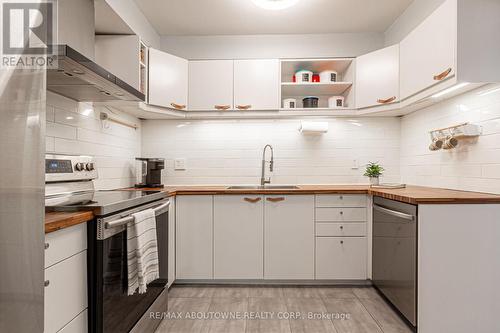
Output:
x,y
344,86
143,67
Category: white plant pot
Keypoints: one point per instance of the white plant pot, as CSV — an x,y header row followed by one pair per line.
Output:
x,y
374,180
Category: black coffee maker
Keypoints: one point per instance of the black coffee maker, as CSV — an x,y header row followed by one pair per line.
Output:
x,y
148,172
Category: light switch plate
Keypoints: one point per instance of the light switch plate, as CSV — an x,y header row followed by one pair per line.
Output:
x,y
355,165
180,164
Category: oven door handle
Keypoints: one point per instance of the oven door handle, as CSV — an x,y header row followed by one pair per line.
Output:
x,y
123,221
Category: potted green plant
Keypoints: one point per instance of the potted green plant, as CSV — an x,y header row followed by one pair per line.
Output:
x,y
374,171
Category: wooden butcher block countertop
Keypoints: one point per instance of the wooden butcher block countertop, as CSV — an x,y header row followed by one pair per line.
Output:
x,y
59,220
410,194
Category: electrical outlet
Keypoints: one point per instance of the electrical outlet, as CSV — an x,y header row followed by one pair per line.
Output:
x,y
180,164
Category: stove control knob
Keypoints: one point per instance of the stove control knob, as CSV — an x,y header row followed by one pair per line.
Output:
x,y
79,166
89,166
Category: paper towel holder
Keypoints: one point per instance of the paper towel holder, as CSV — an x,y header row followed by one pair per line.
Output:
x,y
313,127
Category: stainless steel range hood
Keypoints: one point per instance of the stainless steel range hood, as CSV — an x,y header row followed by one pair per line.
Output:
x,y
81,79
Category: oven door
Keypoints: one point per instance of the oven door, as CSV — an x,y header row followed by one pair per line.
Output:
x,y
110,308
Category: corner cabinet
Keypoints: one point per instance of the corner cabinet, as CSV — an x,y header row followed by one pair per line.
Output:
x,y
194,237
256,84
238,243
289,237
211,85
377,77
168,80
428,52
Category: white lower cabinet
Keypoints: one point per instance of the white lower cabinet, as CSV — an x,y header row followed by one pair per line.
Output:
x,y
341,258
77,325
65,299
289,237
238,241
65,292
194,237
171,242
271,237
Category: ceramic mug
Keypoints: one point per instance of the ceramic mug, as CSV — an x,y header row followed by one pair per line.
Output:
x,y
436,144
450,142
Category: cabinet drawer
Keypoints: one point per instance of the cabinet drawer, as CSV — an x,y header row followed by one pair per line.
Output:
x,y
341,214
341,200
342,258
341,229
65,243
77,325
65,292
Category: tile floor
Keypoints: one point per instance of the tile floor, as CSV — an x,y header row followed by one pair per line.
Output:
x,y
279,309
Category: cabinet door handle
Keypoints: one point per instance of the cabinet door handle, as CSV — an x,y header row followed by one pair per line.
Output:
x,y
341,227
243,107
386,101
46,283
276,199
222,107
178,106
46,246
252,200
442,75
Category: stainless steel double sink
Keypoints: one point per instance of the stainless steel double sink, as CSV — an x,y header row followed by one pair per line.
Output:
x,y
265,187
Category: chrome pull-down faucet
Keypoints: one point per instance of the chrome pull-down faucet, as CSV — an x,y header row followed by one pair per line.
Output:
x,y
263,180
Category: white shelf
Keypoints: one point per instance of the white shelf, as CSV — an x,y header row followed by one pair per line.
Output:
x,y
314,89
291,66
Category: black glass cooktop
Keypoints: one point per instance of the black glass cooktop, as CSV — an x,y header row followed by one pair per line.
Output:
x,y
104,202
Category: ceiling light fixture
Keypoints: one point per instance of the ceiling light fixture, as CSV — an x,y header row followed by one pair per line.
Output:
x,y
275,4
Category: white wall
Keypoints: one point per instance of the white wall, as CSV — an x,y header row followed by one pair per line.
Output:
x,y
475,165
75,128
272,46
410,19
130,13
230,152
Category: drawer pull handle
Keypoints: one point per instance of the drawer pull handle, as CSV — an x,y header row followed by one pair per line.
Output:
x,y
222,107
341,197
252,200
442,75
341,242
341,227
386,101
46,246
276,199
341,213
178,106
46,283
243,107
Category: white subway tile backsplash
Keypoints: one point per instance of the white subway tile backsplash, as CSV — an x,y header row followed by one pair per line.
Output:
x,y
75,128
230,151
474,164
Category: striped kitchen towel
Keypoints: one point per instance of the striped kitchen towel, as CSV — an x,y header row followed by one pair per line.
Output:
x,y
142,251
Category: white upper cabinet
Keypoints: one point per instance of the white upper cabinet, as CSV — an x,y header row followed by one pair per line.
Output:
x,y
120,55
211,85
428,52
256,84
377,77
168,80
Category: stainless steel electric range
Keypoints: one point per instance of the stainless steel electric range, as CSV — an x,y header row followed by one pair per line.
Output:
x,y
70,187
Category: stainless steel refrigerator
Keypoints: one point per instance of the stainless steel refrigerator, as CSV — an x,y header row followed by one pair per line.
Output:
x,y
22,147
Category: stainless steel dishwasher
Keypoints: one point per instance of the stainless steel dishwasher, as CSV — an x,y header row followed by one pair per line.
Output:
x,y
395,254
